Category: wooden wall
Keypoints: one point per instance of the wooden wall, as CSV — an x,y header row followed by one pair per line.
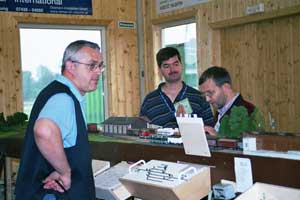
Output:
x,y
122,75
264,60
261,51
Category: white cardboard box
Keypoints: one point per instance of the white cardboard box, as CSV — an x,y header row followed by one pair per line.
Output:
x,y
163,180
262,191
107,183
99,166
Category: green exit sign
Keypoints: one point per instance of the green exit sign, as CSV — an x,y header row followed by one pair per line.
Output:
x,y
126,24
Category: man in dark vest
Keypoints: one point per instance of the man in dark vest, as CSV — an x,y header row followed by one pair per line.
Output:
x,y
56,160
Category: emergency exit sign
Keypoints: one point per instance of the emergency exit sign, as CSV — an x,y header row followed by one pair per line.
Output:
x,y
126,24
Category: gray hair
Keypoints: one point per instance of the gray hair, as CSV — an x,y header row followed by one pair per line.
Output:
x,y
72,49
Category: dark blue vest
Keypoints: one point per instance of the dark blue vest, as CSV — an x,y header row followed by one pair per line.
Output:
x,y
34,168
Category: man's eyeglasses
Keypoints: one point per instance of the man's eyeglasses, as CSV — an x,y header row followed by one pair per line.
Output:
x,y
92,66
209,94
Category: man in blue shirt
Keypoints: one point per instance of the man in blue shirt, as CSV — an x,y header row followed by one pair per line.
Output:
x,y
173,97
56,161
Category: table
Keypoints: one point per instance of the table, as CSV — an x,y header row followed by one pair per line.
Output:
x,y
276,171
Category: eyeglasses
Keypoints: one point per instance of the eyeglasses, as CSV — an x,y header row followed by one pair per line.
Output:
x,y
92,66
209,94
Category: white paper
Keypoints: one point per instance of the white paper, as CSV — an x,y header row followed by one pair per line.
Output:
x,y
107,184
243,174
109,179
193,136
249,144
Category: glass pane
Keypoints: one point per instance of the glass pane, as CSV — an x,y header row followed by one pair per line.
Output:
x,y
95,104
41,62
183,37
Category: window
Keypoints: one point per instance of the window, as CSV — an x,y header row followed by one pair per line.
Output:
x,y
42,48
183,37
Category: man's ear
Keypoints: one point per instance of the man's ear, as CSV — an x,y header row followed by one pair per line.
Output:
x,y
69,65
226,86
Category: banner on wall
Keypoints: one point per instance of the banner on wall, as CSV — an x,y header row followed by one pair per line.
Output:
x,y
72,7
163,6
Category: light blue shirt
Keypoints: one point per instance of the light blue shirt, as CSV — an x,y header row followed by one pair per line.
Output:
x,y
60,109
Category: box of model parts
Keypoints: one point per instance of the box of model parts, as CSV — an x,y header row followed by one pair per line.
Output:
x,y
107,183
167,180
269,192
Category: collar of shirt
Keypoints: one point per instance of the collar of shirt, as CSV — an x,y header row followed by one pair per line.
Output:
x,y
75,91
181,93
224,109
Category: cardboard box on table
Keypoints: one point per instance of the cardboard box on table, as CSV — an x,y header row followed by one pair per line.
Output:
x,y
264,191
107,183
177,181
167,180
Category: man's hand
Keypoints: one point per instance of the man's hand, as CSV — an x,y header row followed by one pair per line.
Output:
x,y
180,111
210,130
58,182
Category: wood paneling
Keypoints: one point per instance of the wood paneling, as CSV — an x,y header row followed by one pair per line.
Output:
x,y
122,73
207,39
227,13
125,77
263,63
2,76
261,51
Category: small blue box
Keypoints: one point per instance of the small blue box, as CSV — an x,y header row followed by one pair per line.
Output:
x,y
223,191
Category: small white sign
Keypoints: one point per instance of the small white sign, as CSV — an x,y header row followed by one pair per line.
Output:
x,y
249,144
126,24
193,136
163,6
243,174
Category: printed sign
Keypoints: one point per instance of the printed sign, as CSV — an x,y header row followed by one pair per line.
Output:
x,y
73,7
243,174
126,24
163,6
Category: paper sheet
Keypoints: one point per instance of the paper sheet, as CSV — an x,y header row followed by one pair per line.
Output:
x,y
243,174
193,136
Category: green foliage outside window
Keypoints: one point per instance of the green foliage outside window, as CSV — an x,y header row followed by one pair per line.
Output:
x,y
18,119
32,87
189,60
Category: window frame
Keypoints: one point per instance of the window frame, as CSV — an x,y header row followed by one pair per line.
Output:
x,y
179,23
101,29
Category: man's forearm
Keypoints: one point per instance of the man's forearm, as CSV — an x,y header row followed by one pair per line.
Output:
x,y
49,141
